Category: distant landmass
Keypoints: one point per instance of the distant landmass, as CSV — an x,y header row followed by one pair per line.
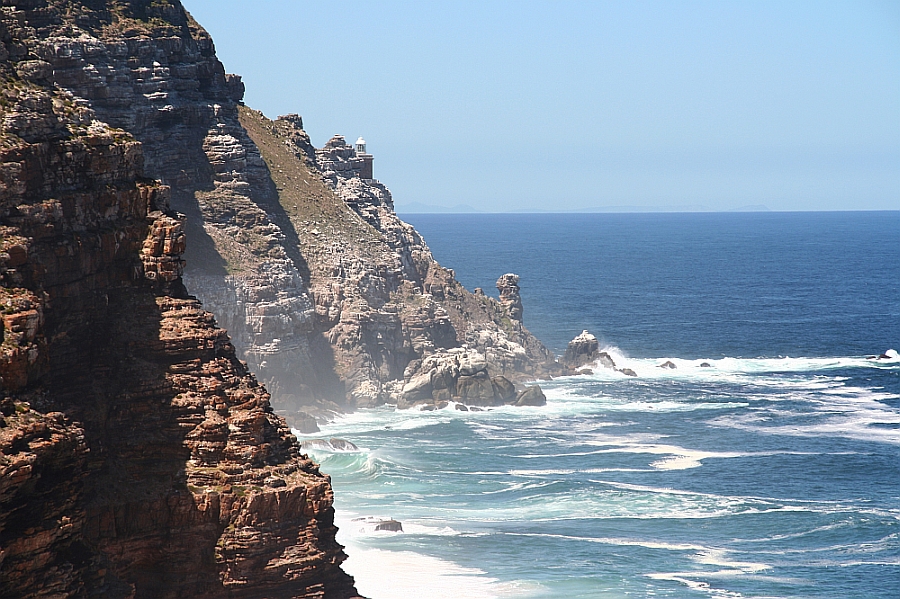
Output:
x,y
421,208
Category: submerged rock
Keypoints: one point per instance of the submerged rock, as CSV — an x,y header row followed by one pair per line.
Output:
x,y
390,525
333,444
374,523
890,354
305,423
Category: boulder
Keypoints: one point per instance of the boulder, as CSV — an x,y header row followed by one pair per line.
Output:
x,y
443,376
301,421
705,365
627,372
418,387
476,390
472,363
531,396
374,523
461,407
583,349
668,364
504,390
342,445
604,359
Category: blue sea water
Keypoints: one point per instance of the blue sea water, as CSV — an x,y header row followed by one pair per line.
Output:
x,y
774,473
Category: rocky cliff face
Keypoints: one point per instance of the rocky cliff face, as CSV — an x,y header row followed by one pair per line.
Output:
x,y
138,455
381,300
331,299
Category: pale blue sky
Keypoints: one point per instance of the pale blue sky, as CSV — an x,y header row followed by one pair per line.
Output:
x,y
570,105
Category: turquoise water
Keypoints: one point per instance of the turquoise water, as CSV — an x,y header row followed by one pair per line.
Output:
x,y
775,472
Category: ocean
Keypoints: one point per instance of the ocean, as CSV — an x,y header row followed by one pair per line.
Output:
x,y
772,473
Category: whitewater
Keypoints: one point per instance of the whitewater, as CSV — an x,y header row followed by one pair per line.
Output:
x,y
739,473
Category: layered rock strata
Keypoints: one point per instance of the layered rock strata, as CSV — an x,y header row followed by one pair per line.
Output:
x,y
327,295
138,456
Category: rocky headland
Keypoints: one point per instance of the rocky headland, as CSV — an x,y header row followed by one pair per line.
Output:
x,y
329,297
138,455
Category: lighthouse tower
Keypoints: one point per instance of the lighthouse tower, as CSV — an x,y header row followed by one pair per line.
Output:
x,y
365,169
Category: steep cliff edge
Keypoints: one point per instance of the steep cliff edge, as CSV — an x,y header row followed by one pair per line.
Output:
x,y
381,300
329,297
138,456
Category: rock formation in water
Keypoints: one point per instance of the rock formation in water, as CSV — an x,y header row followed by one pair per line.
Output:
x,y
583,349
327,295
138,455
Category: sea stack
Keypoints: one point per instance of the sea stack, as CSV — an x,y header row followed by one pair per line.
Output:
x,y
508,286
583,349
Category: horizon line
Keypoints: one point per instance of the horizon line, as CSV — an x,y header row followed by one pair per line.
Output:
x,y
624,210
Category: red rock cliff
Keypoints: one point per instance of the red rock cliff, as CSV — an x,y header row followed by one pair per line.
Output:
x,y
138,456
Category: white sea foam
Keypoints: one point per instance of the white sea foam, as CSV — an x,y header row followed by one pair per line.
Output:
x,y
381,574
725,369
698,585
851,412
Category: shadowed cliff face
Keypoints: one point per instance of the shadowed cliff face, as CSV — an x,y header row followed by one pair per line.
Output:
x,y
138,456
331,299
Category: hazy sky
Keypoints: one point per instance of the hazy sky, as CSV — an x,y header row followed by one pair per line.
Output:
x,y
568,105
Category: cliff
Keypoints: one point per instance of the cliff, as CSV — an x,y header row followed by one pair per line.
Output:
x,y
381,301
138,455
330,298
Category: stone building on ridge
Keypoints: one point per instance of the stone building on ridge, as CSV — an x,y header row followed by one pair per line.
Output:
x,y
346,160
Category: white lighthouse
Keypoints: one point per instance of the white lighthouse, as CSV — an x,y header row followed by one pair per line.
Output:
x,y
365,159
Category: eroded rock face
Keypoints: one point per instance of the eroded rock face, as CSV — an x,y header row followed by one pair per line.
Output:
x,y
138,456
382,301
327,294
508,286
459,375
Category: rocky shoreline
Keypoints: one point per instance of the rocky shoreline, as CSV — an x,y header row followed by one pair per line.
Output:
x,y
140,455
